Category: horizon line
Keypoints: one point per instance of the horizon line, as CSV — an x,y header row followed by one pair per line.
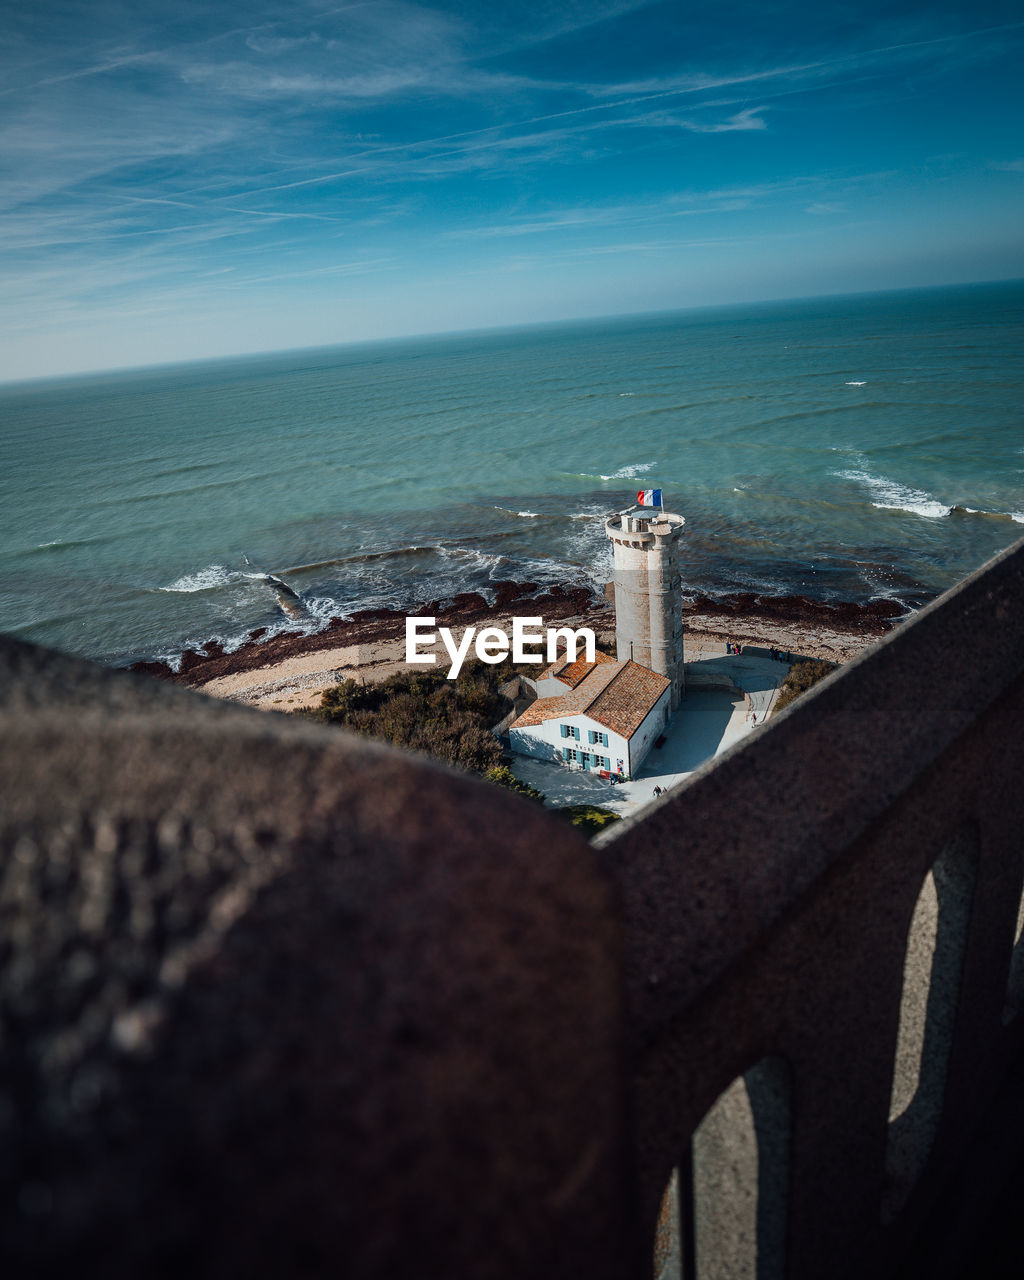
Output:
x,y
7,383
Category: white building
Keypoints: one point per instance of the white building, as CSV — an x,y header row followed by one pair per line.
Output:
x,y
603,715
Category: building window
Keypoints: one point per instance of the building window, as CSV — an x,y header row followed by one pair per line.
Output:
x,y
570,731
568,753
596,737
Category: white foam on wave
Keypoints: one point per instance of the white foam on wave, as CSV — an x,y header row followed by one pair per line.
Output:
x,y
214,575
856,384
631,471
890,495
526,515
488,560
172,657
1016,516
319,612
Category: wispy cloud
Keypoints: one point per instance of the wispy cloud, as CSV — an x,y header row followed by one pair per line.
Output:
x,y
739,121
203,150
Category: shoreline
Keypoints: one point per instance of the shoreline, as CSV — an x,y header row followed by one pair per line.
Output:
x,y
290,670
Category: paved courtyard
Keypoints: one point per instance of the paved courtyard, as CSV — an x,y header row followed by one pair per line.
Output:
x,y
709,720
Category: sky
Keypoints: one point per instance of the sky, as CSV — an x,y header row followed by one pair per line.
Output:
x,y
181,180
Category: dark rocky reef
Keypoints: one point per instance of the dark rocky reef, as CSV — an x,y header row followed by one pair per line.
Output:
x,y
872,618
369,626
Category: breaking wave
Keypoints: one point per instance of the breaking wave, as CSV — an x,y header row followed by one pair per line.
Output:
x,y
1016,516
213,576
890,495
632,471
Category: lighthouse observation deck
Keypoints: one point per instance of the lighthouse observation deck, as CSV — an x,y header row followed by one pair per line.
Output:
x,y
640,526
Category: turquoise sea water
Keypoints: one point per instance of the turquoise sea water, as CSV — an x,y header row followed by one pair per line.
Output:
x,y
840,448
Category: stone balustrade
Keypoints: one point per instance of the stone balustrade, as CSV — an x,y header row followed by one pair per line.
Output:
x,y
278,1001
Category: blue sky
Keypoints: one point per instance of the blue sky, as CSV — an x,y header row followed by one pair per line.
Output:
x,y
183,180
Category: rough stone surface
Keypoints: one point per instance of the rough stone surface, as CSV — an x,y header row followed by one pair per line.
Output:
x,y
277,1001
768,907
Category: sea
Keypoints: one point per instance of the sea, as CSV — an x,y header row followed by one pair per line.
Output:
x,y
844,449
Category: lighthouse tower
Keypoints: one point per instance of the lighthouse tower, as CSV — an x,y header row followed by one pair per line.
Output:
x,y
648,614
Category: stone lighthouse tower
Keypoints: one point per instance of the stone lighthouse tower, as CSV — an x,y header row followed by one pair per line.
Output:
x,y
648,614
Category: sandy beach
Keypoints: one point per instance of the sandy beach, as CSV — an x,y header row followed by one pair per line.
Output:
x,y
289,672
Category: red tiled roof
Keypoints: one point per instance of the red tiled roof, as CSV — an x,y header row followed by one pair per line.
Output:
x,y
625,701
574,673
573,703
616,694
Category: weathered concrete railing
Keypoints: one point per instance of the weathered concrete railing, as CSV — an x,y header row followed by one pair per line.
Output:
x,y
278,1001
824,959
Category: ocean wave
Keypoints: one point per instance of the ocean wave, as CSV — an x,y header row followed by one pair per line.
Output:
x,y
169,657
319,614
213,576
890,495
1016,516
474,559
526,515
855,384
65,544
366,556
305,568
631,471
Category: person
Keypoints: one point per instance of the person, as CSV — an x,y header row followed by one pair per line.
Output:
x,y
753,717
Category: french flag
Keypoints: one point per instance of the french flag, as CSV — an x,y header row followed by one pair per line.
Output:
x,y
649,497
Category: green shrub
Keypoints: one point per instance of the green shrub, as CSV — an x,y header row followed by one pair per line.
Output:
x,y
588,818
425,711
802,676
502,776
